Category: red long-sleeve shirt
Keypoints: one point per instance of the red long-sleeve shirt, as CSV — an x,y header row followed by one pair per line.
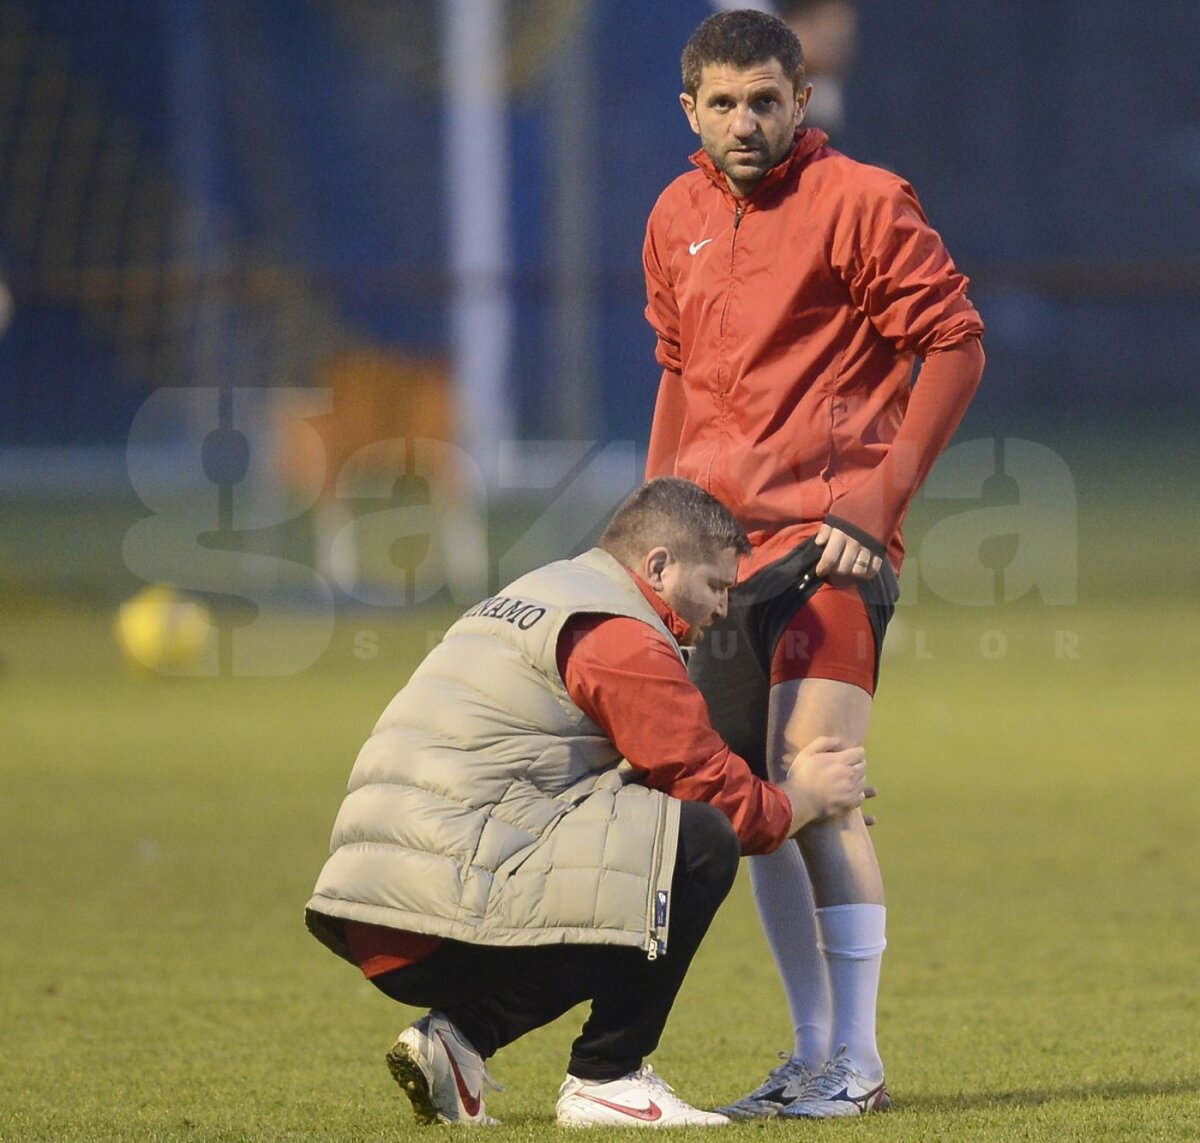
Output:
x,y
628,680
623,675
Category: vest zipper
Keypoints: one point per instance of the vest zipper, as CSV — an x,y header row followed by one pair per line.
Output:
x,y
658,919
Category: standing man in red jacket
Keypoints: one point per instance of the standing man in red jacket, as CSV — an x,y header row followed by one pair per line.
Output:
x,y
792,290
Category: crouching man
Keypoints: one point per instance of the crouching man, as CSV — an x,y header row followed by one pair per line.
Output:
x,y
544,815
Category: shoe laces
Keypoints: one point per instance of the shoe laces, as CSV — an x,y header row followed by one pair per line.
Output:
x,y
475,1060
485,1077
832,1078
491,1083
793,1073
647,1075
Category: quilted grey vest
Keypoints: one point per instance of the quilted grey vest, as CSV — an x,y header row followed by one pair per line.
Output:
x,y
487,807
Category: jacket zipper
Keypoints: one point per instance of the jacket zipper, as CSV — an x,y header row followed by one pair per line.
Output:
x,y
739,211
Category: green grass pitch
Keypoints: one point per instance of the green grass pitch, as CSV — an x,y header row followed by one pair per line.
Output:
x,y
1039,817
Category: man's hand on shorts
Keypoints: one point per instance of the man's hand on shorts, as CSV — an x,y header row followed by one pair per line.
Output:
x,y
825,780
845,559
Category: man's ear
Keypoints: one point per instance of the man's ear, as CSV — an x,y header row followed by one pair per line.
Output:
x,y
654,563
689,109
802,98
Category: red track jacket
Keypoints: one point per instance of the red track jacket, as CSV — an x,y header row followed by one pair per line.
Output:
x,y
788,325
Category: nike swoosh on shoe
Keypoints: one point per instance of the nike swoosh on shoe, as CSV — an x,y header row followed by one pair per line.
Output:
x,y
649,1114
470,1101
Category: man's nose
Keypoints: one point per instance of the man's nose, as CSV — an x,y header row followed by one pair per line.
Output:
x,y
745,122
722,606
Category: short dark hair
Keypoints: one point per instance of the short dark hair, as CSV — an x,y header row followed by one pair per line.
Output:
x,y
693,524
741,38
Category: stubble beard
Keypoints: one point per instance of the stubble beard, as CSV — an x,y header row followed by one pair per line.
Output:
x,y
754,171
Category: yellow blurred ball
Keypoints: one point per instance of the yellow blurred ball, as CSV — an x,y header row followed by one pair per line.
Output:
x,y
165,631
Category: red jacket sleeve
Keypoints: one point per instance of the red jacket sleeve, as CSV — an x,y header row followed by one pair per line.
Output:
x,y
630,682
877,505
662,312
666,430
900,275
898,271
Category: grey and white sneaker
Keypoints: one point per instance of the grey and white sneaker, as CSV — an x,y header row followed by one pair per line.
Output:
x,y
771,1096
442,1075
640,1099
839,1089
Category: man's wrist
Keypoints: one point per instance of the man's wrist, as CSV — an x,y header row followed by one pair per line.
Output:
x,y
801,804
878,547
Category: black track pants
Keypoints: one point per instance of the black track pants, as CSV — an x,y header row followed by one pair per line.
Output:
x,y
494,995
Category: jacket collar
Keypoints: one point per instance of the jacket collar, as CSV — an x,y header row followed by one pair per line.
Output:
x,y
807,142
670,617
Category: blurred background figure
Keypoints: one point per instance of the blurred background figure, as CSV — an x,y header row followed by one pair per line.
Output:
x,y
828,32
6,305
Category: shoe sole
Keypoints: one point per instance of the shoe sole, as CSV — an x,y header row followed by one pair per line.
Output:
x,y
408,1073
620,1124
746,1111
839,1110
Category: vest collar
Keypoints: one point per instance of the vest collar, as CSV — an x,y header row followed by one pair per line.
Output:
x,y
670,617
677,627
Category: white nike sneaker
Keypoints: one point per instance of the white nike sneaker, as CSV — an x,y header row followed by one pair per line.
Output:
x,y
839,1089
771,1096
442,1075
640,1099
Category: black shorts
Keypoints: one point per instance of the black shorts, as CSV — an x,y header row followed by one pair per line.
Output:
x,y
732,664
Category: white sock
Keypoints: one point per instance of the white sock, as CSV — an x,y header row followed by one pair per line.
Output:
x,y
784,898
852,938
